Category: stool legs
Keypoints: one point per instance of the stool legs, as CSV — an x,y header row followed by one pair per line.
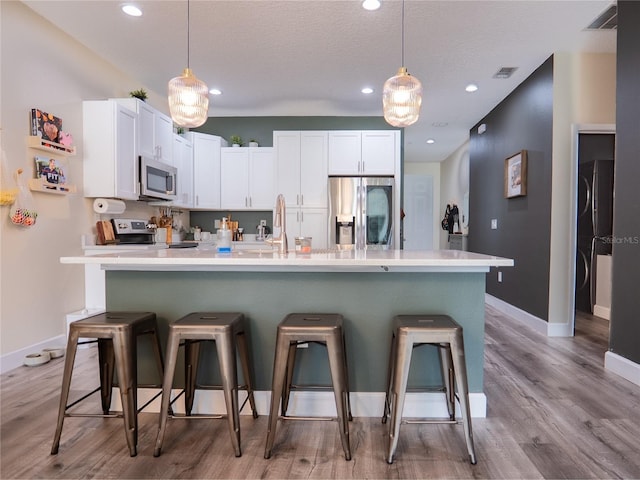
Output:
x,y
227,358
457,346
335,347
191,355
124,347
277,386
106,360
69,359
173,343
243,350
448,379
398,389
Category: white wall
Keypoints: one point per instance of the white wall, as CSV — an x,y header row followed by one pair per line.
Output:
x,y
584,92
44,68
454,183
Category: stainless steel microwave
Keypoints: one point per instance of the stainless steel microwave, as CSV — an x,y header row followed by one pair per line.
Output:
x,y
157,179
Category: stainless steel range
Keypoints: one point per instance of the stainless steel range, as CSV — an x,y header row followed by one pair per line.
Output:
x,y
131,231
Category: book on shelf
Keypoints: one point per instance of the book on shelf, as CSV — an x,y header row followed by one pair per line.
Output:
x,y
48,169
46,126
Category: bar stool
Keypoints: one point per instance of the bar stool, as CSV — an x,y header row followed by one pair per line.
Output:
x,y
116,334
410,331
324,329
227,330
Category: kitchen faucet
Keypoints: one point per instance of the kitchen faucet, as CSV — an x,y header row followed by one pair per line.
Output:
x,y
281,222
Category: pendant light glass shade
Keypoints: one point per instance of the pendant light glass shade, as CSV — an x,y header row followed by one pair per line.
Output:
x,y
188,100
188,96
402,95
402,99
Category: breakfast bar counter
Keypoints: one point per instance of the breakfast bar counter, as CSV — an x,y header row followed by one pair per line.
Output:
x,y
368,287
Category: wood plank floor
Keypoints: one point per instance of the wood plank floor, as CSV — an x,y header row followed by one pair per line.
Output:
x,y
553,412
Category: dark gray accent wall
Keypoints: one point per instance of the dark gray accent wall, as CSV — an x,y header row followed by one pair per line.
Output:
x,y
261,128
625,301
522,121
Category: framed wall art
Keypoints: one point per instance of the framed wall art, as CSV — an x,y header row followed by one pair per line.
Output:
x,y
515,175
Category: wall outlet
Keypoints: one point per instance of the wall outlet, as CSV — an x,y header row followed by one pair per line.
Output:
x,y
216,223
263,223
499,276
494,224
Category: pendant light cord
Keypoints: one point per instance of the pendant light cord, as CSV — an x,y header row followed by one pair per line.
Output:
x,y
189,32
402,55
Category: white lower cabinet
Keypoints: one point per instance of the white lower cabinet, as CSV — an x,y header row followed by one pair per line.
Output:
x,y
308,222
247,178
206,170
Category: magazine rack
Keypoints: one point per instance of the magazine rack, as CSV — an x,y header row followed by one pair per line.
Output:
x,y
51,147
41,185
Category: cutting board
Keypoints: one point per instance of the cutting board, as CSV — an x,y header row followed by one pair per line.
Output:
x,y
106,236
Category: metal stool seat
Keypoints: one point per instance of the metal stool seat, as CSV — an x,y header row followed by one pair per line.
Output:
x,y
116,334
228,331
410,331
324,329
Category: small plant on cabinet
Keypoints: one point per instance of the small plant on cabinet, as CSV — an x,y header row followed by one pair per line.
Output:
x,y
236,140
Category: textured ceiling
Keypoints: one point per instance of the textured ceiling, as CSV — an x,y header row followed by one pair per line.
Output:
x,y
299,57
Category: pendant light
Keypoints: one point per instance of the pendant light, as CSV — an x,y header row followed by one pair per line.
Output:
x,y
188,96
402,95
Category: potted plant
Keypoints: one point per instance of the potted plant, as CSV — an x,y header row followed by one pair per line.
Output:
x,y
253,143
236,141
141,94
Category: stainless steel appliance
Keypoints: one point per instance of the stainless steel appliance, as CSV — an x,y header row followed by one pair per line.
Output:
x,y
361,212
595,226
130,231
157,179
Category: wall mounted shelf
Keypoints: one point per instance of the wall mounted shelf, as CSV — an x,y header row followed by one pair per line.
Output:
x,y
52,147
41,185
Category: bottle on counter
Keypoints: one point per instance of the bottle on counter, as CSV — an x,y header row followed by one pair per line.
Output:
x,y
224,237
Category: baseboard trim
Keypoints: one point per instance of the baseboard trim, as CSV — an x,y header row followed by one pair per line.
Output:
x,y
602,312
303,403
536,323
15,359
623,367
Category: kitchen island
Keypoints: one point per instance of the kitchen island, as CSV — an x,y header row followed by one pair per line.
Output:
x,y
368,287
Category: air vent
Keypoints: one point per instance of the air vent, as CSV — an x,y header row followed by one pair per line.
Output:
x,y
607,20
505,72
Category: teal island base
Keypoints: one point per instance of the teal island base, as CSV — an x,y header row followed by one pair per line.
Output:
x,y
367,300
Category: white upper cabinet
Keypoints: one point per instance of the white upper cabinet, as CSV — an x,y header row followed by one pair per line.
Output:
x,y
367,152
301,167
345,152
247,178
155,130
380,150
110,150
206,170
183,160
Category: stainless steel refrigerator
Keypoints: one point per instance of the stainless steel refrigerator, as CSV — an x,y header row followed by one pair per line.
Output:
x,y
595,226
361,212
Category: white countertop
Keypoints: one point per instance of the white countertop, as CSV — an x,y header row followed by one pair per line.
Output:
x,y
207,259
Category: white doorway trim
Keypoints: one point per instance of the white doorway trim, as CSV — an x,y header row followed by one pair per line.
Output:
x,y
576,130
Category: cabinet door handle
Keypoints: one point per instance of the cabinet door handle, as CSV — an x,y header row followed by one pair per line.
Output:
x,y
301,199
363,166
301,217
250,201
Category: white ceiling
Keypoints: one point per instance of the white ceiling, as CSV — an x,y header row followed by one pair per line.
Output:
x,y
301,57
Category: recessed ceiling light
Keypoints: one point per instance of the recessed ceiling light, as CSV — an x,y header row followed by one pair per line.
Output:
x,y
371,4
472,87
132,10
367,90
430,141
215,91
